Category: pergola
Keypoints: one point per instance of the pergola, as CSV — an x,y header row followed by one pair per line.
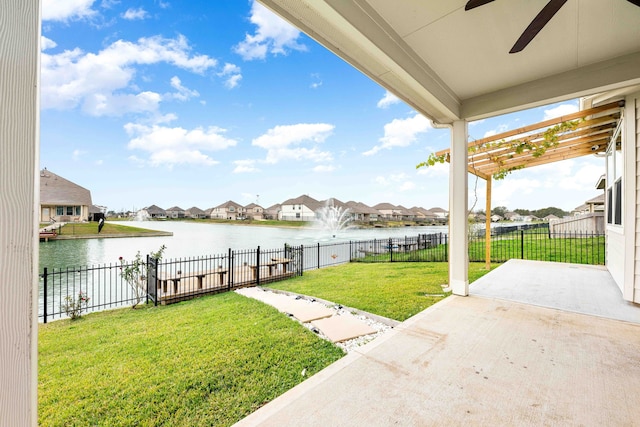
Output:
x,y
585,132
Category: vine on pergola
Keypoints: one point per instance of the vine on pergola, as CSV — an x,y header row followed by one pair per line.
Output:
x,y
550,139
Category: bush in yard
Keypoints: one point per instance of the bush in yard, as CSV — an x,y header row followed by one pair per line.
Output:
x,y
73,306
135,273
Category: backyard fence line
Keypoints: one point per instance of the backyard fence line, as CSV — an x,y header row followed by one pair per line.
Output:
x,y
173,280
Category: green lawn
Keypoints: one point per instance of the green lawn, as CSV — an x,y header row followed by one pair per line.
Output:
x,y
91,228
209,361
213,360
394,290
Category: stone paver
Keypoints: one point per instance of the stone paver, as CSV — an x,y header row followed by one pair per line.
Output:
x,y
336,328
342,328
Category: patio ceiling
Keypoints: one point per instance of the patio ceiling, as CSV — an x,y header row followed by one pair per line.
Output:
x,y
503,152
449,63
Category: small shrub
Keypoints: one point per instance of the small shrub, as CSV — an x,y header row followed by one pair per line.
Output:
x,y
73,306
135,273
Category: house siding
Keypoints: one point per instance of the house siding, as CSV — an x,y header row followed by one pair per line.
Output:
x,y
633,107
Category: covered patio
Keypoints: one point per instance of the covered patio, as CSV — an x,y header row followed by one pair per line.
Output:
x,y
534,344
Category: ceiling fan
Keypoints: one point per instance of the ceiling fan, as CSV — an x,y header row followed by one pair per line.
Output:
x,y
538,22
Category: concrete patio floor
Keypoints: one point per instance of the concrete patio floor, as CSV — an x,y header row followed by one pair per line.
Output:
x,y
535,344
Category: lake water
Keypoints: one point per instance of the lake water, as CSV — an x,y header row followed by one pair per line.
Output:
x,y
201,239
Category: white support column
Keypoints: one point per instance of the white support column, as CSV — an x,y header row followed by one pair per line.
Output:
x,y
19,195
458,200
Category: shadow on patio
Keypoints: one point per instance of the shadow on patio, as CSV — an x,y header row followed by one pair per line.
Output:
x,y
535,343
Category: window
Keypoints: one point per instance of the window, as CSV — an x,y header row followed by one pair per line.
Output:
x,y
614,179
78,210
59,210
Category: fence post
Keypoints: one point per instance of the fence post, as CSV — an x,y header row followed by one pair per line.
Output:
x,y
146,301
258,267
301,259
521,244
230,269
350,251
45,294
390,249
318,254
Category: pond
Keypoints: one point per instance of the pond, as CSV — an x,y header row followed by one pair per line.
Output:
x,y
202,239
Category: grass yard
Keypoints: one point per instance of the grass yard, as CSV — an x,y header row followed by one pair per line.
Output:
x,y
204,362
393,290
91,228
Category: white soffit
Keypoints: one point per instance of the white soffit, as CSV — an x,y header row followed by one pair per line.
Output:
x,y
449,63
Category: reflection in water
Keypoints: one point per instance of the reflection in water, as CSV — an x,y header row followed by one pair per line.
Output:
x,y
197,239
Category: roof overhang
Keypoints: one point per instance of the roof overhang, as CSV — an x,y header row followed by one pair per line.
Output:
x,y
450,64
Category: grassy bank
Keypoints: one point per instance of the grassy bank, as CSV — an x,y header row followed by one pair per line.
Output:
x,y
394,290
90,229
204,362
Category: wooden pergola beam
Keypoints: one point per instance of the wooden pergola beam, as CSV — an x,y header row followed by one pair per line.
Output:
x,y
508,161
548,123
595,127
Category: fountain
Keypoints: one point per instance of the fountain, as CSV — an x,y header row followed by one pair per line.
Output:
x,y
333,219
141,215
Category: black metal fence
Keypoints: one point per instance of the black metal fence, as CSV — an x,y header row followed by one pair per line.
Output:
x,y
173,280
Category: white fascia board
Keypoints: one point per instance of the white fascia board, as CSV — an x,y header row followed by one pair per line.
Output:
x,y
364,40
604,76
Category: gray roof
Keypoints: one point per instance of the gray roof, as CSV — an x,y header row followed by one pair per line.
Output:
x,y
153,209
55,190
385,207
175,209
361,208
305,200
194,211
229,203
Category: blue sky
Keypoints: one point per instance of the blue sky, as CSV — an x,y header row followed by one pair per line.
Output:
x,y
196,103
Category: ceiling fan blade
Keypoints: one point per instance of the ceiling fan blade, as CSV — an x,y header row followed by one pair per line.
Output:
x,y
537,24
471,4
636,2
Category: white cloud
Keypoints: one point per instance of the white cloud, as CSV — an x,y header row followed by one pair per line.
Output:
x,y
437,170
504,190
171,146
317,81
273,35
324,168
244,166
501,128
77,154
560,110
387,100
92,80
183,93
401,133
232,74
134,14
46,43
281,142
65,10
407,186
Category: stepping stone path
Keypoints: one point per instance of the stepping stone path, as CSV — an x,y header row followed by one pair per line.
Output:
x,y
333,323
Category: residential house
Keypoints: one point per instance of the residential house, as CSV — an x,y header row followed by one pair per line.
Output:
x,y
156,212
362,212
388,211
302,208
254,211
551,217
439,212
272,212
424,215
228,210
195,213
62,200
175,212
405,214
